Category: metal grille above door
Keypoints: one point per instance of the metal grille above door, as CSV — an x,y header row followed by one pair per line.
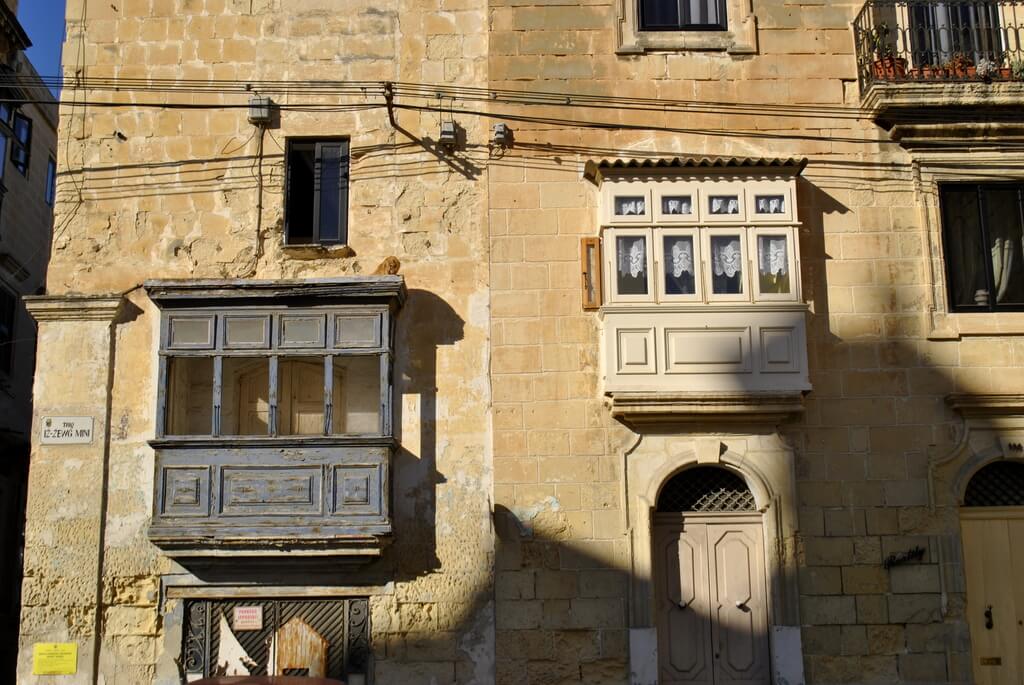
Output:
x,y
1000,484
340,627
706,488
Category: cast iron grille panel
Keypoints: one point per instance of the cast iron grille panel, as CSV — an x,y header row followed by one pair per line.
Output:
x,y
706,488
1000,484
343,623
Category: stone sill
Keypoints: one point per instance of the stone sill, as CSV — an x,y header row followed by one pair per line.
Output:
x,y
314,251
668,41
955,326
657,407
229,547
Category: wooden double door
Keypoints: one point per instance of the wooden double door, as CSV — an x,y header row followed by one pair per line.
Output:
x,y
993,540
711,613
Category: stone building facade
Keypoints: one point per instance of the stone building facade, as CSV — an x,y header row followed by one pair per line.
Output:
x,y
705,368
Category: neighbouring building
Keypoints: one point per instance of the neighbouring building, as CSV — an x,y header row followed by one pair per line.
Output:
x,y
528,342
28,167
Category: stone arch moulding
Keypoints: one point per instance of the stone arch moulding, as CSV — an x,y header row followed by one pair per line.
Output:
x,y
993,429
766,464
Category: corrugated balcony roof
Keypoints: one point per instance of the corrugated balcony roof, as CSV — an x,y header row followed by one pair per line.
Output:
x,y
594,168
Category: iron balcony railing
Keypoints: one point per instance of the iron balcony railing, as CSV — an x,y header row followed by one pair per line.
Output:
x,y
922,40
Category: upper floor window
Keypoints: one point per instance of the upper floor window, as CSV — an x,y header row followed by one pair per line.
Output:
x,y
983,234
682,15
706,25
51,181
709,240
22,143
316,202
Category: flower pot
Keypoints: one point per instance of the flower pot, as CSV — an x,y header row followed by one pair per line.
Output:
x,y
889,68
1005,73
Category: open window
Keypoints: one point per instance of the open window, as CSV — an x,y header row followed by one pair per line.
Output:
x,y
316,202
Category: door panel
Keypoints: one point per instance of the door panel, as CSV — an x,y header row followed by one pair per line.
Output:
x,y
681,600
739,631
1016,531
715,570
990,568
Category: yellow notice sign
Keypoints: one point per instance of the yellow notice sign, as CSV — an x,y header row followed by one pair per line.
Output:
x,y
54,658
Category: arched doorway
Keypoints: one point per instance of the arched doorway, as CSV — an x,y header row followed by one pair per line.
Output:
x,y
709,581
992,524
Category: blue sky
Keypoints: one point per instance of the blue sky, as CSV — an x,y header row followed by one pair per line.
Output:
x,y
44,22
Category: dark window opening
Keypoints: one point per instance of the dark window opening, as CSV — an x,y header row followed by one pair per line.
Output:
x,y
682,15
316,201
1000,484
983,234
705,488
51,181
8,305
22,143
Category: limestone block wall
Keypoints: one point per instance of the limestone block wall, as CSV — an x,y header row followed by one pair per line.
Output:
x,y
873,274
197,192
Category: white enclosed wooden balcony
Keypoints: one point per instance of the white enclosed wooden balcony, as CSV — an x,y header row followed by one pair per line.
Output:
x,y
701,310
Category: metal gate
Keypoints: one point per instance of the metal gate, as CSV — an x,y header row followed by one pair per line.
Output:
x,y
343,624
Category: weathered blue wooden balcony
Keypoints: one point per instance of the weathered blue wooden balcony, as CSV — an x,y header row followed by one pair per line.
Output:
x,y
274,432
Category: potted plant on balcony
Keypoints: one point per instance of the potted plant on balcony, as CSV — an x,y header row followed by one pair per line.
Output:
x,y
960,66
986,69
1017,68
885,65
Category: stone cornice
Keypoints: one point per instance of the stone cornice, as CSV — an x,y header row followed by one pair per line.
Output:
x,y
636,408
165,292
880,98
987,405
73,307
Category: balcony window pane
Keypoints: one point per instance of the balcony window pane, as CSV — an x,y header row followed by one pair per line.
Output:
x,y
726,265
189,396
631,257
245,400
964,249
300,396
630,205
356,400
679,265
676,204
773,263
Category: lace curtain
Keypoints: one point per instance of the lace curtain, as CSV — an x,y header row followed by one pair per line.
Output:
x,y
632,257
772,256
726,257
682,257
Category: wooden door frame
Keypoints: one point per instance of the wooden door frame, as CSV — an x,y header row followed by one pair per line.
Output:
x,y
767,464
